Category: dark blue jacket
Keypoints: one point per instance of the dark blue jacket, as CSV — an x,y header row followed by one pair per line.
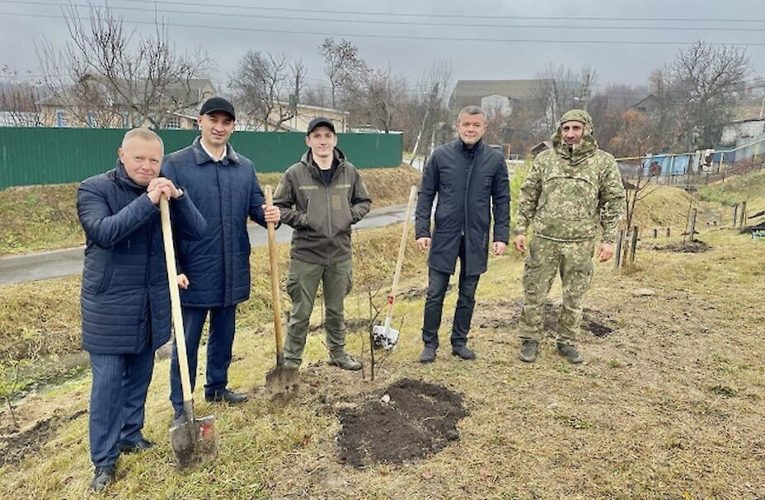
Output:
x,y
468,184
226,193
125,300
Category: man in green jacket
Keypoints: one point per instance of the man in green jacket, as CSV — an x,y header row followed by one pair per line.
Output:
x,y
572,190
320,197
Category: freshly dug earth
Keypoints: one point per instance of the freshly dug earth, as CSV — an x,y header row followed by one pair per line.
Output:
x,y
410,420
695,246
506,314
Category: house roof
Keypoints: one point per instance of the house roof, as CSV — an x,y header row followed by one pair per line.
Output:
x,y
468,92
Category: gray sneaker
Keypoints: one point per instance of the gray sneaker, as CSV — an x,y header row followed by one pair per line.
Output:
x,y
344,361
569,352
528,353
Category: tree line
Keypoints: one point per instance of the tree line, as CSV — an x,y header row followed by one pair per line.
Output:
x,y
106,75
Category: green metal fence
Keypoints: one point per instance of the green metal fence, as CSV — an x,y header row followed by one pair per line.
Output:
x,y
58,155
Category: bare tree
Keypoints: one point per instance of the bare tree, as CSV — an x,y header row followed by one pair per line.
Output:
x,y
378,97
431,107
341,62
269,87
706,81
559,90
19,99
107,75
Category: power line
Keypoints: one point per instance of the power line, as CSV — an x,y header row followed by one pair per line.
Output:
x,y
457,16
420,23
388,36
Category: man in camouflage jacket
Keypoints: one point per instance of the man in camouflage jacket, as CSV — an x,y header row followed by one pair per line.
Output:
x,y
571,192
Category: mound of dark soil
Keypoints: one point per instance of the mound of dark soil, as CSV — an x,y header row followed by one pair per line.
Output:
x,y
418,420
695,246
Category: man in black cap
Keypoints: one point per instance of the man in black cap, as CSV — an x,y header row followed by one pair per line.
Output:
x,y
214,272
321,196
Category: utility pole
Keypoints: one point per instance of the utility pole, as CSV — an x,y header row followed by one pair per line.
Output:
x,y
584,93
431,103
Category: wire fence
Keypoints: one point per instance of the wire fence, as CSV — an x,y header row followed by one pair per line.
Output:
x,y
695,168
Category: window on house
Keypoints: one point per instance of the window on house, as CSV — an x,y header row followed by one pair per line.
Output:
x,y
173,122
60,118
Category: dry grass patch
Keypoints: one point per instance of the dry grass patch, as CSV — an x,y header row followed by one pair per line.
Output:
x,y
38,218
668,405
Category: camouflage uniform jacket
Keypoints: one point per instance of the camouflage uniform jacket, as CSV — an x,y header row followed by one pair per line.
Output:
x,y
569,193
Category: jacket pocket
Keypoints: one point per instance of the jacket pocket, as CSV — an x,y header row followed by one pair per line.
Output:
x,y
106,279
341,214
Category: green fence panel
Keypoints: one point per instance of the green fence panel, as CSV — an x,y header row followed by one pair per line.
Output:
x,y
58,155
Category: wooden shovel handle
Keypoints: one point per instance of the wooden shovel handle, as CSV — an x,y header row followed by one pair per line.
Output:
x,y
275,292
401,254
175,298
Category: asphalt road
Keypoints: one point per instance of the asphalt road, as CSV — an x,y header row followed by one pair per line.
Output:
x,y
67,262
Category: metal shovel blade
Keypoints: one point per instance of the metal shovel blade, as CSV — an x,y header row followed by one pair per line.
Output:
x,y
384,338
194,442
282,384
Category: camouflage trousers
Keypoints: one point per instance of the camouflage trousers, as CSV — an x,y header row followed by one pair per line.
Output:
x,y
547,258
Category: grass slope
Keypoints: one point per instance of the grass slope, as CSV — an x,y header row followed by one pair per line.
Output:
x,y
38,218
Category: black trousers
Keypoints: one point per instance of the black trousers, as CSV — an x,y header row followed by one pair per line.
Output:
x,y
438,282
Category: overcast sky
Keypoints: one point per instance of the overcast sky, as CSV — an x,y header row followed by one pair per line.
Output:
x,y
483,39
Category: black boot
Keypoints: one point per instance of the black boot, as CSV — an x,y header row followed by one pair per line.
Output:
x,y
103,477
569,352
463,352
528,352
428,354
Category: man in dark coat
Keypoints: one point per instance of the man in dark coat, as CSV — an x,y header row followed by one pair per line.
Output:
x,y
214,272
471,182
125,300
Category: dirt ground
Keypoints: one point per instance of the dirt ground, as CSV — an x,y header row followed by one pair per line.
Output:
x,y
410,420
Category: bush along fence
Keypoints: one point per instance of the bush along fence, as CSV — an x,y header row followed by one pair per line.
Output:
x,y
30,156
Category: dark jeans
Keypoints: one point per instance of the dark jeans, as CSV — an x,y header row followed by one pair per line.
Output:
x,y
434,304
219,344
117,402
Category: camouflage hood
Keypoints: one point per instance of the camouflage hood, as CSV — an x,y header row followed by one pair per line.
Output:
x,y
586,148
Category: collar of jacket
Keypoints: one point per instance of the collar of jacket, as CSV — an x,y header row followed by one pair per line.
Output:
x,y
477,147
307,160
585,149
202,157
124,178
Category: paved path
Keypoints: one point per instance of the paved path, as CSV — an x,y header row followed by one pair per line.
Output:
x,y
40,266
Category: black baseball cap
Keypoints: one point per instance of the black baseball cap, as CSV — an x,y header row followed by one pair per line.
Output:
x,y
214,104
320,121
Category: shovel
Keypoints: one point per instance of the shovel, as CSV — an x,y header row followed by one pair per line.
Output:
x,y
280,381
194,441
383,335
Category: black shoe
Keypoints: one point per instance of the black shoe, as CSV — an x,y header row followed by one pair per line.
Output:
x,y
428,354
226,396
103,477
569,352
528,352
463,352
132,447
179,418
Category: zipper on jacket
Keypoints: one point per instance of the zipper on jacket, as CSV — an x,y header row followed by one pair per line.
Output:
x,y
329,217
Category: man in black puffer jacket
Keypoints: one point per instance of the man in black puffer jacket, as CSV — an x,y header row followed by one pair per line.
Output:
x,y
125,300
